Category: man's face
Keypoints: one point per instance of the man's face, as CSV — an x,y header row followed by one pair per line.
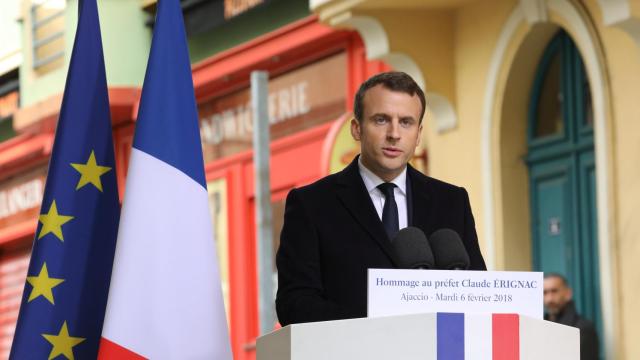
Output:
x,y
556,295
389,130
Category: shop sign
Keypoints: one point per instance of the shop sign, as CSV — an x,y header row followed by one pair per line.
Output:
x,y
20,198
298,100
201,16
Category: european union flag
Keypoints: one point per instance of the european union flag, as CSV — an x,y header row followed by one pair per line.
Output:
x,y
67,285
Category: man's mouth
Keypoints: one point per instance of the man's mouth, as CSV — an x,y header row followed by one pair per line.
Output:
x,y
391,151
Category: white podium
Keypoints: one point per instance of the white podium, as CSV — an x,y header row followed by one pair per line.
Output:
x,y
424,337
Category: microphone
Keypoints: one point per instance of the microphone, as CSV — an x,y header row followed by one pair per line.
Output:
x,y
448,250
412,249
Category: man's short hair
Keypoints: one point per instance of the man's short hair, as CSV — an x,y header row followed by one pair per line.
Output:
x,y
549,275
394,81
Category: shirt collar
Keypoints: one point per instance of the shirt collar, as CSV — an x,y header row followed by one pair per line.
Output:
x,y
371,180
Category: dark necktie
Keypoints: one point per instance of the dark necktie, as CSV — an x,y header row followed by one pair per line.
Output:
x,y
390,210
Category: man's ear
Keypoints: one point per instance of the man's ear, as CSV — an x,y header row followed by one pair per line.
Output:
x,y
419,135
569,294
355,129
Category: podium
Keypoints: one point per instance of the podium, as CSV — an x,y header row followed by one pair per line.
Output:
x,y
424,336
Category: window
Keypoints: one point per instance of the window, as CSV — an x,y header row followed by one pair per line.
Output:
x,y
549,107
47,31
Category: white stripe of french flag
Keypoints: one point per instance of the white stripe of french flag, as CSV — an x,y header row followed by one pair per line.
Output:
x,y
477,334
165,302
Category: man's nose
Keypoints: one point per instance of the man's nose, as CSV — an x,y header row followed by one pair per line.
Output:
x,y
393,131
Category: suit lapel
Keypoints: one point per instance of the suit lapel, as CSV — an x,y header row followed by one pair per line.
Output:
x,y
421,203
409,194
354,196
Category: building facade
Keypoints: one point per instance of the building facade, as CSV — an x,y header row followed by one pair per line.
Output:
x,y
531,107
314,71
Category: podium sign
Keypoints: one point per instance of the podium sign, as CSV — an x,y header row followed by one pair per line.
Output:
x,y
398,292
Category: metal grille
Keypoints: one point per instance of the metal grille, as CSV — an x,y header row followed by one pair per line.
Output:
x,y
47,29
13,272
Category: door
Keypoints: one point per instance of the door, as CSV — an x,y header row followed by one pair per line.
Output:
x,y
562,175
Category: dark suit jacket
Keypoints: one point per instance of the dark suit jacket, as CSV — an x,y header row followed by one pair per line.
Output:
x,y
332,235
589,345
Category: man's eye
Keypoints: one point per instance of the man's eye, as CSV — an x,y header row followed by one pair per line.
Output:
x,y
380,119
405,123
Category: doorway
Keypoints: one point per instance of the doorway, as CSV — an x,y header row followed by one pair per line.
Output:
x,y
562,177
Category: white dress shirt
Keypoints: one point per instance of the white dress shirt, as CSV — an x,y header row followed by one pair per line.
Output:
x,y
371,181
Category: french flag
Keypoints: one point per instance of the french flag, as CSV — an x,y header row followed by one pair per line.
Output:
x,y
165,300
492,337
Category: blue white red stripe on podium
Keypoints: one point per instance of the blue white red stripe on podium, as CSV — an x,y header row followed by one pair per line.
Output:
x,y
478,337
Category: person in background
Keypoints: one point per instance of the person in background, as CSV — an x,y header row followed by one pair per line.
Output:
x,y
560,308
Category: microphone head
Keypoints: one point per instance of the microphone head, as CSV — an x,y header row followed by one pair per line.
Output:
x,y
448,250
412,249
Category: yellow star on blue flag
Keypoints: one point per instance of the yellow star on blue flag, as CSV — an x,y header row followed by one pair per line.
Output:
x,y
90,172
52,222
63,343
43,285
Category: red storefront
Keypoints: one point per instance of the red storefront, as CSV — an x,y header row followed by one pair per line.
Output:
x,y
314,73
22,173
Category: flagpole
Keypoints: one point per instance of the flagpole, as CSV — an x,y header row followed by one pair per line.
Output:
x,y
264,217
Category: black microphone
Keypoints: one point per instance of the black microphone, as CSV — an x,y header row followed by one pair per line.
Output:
x,y
412,249
448,250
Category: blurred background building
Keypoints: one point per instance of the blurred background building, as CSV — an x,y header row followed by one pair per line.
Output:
x,y
532,106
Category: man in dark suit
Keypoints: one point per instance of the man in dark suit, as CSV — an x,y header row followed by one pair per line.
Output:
x,y
340,226
560,308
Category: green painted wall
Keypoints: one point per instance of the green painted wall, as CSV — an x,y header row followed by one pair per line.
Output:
x,y
125,41
247,26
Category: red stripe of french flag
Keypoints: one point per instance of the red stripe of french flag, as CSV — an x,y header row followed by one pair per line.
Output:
x,y
111,350
506,336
